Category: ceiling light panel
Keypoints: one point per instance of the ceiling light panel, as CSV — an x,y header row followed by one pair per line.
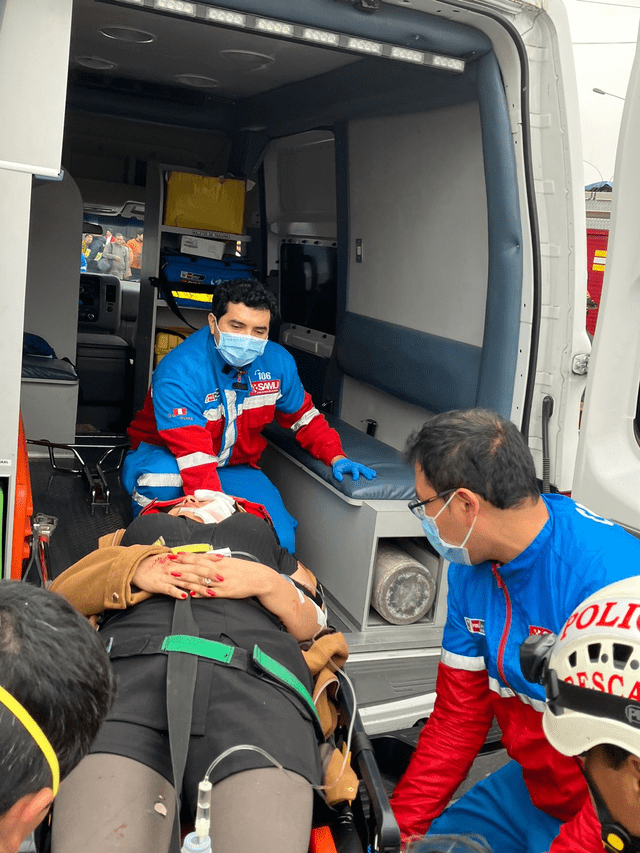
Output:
x,y
285,29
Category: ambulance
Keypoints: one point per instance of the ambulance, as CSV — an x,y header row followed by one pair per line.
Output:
x,y
411,189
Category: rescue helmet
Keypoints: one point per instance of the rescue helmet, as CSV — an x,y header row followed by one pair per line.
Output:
x,y
591,672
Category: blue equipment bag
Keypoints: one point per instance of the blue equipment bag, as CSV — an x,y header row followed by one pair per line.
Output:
x,y
195,278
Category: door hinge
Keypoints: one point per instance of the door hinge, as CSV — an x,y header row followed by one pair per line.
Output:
x,y
580,363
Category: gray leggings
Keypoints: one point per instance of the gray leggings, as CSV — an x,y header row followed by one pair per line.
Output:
x,y
111,803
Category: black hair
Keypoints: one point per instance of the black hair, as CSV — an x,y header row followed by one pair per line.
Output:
x,y
478,450
247,291
54,664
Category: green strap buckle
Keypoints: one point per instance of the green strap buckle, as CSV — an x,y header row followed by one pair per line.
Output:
x,y
281,673
198,646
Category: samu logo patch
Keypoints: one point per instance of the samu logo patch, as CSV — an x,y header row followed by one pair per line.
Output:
x,y
474,626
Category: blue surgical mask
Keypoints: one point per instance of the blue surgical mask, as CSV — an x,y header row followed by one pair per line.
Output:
x,y
452,553
239,350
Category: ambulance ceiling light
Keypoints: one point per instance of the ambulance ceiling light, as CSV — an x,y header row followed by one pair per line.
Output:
x,y
199,81
297,32
180,7
128,34
247,60
224,16
96,63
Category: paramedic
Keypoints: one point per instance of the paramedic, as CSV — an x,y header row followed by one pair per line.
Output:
x,y
56,686
201,423
590,674
261,596
519,564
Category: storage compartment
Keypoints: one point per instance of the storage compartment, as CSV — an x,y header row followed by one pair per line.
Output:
x,y
212,204
104,371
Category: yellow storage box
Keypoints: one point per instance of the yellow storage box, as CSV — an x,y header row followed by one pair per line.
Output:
x,y
209,204
166,340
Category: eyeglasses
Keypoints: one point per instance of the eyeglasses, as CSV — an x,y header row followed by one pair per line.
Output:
x,y
417,507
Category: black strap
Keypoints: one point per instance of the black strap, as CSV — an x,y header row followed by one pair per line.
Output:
x,y
164,288
182,670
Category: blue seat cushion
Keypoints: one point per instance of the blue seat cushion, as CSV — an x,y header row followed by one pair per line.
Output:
x,y
395,480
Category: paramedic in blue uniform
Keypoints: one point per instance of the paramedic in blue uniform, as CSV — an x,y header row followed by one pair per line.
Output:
x,y
520,563
201,423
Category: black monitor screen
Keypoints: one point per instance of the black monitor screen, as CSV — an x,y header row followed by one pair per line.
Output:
x,y
308,286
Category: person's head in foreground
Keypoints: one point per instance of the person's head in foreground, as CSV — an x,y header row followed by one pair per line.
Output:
x,y
472,468
56,687
591,675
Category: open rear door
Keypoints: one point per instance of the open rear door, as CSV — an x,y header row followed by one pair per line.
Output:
x,y
607,477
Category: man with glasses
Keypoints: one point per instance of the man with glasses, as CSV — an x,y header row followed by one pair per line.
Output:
x,y
520,564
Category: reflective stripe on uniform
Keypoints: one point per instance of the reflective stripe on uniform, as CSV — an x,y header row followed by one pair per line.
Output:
x,y
305,419
140,499
230,433
193,460
470,664
508,693
159,480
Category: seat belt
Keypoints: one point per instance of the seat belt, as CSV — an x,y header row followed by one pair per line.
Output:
x,y
182,670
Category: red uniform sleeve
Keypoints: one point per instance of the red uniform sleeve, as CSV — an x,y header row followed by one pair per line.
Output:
x,y
581,833
192,448
448,745
312,431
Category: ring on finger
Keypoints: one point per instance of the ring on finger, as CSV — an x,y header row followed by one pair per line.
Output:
x,y
208,581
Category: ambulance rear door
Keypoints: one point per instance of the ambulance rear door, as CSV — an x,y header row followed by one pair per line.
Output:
x,y
607,477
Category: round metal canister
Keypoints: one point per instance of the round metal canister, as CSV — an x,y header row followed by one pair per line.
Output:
x,y
403,589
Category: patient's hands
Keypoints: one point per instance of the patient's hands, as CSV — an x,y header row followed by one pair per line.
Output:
x,y
203,576
177,575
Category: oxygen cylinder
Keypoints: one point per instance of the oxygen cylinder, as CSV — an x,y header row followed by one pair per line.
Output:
x,y
403,589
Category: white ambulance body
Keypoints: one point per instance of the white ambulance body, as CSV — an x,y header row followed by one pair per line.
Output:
x,y
415,165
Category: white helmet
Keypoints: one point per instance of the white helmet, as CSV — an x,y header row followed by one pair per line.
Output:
x,y
591,672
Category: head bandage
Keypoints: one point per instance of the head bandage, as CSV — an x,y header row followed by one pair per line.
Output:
x,y
21,714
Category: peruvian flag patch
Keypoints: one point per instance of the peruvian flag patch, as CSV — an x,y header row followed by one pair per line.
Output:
x,y
177,412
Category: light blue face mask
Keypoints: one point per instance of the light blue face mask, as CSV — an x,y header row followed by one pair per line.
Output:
x,y
452,553
239,350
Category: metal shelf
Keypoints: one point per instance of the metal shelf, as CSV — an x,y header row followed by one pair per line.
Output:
x,y
199,232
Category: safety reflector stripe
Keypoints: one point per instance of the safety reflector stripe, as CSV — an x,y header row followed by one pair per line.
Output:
x,y
213,414
475,664
159,480
140,499
305,419
507,693
259,401
193,460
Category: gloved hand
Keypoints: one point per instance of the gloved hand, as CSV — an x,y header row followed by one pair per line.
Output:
x,y
346,466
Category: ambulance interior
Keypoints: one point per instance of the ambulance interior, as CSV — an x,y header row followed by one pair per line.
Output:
x,y
382,207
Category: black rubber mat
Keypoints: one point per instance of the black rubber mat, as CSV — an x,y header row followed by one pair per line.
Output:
x,y
67,498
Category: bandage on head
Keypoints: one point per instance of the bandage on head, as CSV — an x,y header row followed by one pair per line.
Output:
x,y
21,714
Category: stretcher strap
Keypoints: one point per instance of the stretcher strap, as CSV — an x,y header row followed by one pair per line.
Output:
x,y
239,658
181,684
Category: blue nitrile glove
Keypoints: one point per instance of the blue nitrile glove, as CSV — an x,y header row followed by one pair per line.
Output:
x,y
346,466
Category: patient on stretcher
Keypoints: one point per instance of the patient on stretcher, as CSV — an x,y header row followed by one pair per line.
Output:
x,y
211,568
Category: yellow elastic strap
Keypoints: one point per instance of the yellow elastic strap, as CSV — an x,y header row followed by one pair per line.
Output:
x,y
21,713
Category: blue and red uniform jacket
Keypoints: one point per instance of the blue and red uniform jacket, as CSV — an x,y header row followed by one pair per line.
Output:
x,y
209,414
491,610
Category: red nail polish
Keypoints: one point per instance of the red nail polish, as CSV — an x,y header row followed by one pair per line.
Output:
x,y
176,574
211,593
193,594
219,578
184,595
172,556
